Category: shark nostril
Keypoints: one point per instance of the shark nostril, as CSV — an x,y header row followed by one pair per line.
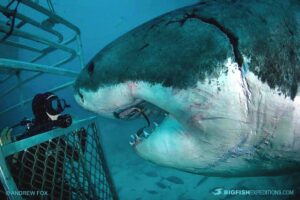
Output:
x,y
91,68
81,96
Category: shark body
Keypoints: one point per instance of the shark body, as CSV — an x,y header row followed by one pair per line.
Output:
x,y
226,73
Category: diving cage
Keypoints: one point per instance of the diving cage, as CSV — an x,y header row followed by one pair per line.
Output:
x,y
54,164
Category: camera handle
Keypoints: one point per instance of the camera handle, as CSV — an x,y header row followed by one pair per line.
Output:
x,y
24,122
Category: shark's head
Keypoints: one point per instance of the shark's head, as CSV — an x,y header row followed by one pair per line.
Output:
x,y
184,134
189,67
105,99
130,72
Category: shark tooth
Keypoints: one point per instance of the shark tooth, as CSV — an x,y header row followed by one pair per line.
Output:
x,y
146,134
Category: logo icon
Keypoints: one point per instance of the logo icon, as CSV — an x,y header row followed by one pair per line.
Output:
x,y
217,191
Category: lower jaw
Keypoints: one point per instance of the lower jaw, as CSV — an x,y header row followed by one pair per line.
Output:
x,y
146,131
142,134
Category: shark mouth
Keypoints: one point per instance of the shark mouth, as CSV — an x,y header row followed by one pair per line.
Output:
x,y
147,111
130,112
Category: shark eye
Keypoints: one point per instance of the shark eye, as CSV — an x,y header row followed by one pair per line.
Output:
x,y
91,68
81,96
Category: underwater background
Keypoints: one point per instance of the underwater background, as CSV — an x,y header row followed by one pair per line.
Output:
x,y
101,22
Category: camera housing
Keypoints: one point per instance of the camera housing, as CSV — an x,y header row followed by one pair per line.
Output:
x,y
47,109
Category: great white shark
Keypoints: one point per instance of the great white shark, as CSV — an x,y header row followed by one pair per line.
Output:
x,y
225,73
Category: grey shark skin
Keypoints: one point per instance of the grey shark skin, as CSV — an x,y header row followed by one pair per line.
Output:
x,y
226,72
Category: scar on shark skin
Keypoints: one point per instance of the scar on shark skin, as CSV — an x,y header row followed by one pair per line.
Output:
x,y
132,86
144,46
234,41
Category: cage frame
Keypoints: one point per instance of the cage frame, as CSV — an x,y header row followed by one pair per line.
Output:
x,y
13,67
59,44
18,146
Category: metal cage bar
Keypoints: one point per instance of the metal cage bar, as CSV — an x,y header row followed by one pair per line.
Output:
x,y
33,23
38,39
26,101
6,178
12,65
21,145
58,43
67,163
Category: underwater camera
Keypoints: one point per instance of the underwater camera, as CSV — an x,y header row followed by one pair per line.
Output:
x,y
47,109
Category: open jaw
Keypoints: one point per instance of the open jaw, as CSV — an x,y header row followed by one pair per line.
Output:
x,y
166,138
153,115
163,139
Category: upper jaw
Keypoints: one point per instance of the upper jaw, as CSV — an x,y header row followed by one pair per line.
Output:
x,y
130,111
141,108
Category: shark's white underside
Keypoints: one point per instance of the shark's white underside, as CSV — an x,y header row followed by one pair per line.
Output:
x,y
235,125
